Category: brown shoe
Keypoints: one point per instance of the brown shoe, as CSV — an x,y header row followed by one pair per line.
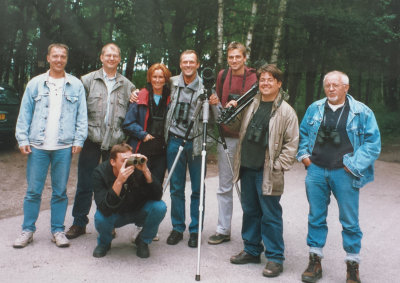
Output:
x,y
75,231
272,269
243,258
314,269
353,275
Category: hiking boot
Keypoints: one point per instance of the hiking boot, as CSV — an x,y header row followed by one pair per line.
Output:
x,y
174,238
218,238
244,258
142,249
23,239
60,239
314,269
353,275
101,250
75,231
272,269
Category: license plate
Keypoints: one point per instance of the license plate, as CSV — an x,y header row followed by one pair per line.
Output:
x,y
2,116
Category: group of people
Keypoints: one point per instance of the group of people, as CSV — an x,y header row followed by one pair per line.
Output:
x,y
338,142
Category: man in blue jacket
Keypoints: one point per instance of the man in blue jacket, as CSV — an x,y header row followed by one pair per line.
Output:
x,y
52,124
339,142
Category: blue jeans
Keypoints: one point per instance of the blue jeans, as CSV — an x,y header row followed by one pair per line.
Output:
x,y
149,217
320,182
262,218
36,173
177,184
89,158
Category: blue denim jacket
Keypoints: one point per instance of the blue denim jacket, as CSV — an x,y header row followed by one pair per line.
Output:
x,y
32,118
363,133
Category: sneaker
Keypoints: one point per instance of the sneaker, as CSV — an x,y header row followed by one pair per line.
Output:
x,y
60,239
272,269
313,271
23,240
218,238
156,238
353,275
75,231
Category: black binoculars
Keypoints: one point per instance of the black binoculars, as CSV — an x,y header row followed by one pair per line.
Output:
x,y
182,112
134,160
255,134
328,134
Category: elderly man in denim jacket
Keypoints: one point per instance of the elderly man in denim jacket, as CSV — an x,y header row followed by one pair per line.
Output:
x,y
52,124
339,142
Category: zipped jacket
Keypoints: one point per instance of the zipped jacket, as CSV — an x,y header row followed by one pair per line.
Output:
x,y
111,133
362,130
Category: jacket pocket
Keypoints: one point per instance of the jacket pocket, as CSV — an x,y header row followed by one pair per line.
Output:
x,y
94,107
277,180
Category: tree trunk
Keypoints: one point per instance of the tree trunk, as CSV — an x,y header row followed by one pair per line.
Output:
x,y
278,31
130,64
220,34
250,32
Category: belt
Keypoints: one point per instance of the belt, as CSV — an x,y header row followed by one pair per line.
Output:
x,y
178,137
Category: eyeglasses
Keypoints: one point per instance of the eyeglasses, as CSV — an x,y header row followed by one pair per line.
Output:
x,y
334,86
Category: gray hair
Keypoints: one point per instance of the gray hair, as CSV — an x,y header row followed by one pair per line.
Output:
x,y
344,78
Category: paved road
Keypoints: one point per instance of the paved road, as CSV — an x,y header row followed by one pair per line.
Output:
x,y
42,261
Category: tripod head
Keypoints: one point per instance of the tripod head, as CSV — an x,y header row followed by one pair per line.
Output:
x,y
208,77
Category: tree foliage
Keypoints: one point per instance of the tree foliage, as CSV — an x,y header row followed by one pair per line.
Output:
x,y
359,37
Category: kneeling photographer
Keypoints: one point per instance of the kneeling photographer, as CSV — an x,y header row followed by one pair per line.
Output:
x,y
125,192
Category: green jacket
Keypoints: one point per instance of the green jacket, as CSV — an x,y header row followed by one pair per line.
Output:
x,y
96,99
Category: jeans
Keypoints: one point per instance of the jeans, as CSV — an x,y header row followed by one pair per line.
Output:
x,y
89,158
224,191
178,181
149,217
262,218
157,165
36,173
320,182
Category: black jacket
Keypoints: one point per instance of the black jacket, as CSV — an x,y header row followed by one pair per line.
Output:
x,y
134,193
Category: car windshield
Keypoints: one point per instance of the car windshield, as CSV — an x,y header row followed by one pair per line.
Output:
x,y
8,96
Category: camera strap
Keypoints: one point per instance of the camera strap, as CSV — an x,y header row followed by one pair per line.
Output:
x,y
243,82
340,116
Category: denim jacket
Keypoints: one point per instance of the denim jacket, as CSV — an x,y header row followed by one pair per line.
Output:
x,y
34,110
363,133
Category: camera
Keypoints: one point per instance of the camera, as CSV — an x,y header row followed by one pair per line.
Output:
x,y
135,160
328,134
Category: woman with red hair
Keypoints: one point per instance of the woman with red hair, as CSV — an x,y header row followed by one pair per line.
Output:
x,y
145,119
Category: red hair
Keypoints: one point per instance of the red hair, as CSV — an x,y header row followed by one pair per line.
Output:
x,y
158,66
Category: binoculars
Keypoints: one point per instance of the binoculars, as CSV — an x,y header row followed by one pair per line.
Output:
x,y
134,160
256,134
327,134
182,112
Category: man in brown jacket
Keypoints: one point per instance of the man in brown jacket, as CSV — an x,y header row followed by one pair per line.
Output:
x,y
269,125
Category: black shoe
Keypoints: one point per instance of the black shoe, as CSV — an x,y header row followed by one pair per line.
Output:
x,y
218,238
272,269
243,258
174,237
193,240
75,231
142,249
101,250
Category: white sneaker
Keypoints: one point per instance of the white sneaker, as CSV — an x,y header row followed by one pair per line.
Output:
x,y
23,240
60,239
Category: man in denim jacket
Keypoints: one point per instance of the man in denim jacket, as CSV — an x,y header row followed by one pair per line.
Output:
x,y
339,142
52,124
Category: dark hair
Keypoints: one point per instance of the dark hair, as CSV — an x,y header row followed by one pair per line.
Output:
x,y
59,45
272,69
237,45
119,148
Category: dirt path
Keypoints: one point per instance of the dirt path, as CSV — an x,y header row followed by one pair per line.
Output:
x,y
13,182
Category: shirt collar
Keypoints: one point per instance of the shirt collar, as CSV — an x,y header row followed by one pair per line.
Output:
x,y
194,85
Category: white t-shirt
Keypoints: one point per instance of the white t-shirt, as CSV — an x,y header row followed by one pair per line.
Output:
x,y
56,87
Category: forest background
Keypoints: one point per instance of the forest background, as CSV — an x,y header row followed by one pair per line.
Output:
x,y
305,38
